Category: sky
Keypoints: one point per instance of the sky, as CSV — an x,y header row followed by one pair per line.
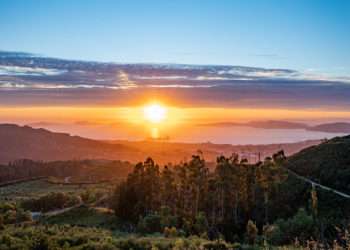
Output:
x,y
300,51
295,34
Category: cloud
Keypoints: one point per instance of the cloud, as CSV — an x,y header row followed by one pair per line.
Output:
x,y
186,86
38,81
28,71
123,81
166,77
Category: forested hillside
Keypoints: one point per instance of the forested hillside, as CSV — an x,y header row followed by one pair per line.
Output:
x,y
327,163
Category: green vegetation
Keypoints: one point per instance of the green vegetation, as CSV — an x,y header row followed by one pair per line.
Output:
x,y
232,205
197,201
78,238
11,214
301,226
327,163
51,202
86,217
37,188
80,171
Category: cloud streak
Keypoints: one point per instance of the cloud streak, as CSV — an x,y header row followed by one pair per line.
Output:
x,y
35,80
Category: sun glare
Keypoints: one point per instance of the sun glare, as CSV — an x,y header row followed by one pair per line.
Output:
x,y
154,113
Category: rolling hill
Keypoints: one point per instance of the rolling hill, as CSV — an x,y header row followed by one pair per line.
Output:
x,y
327,163
40,144
19,142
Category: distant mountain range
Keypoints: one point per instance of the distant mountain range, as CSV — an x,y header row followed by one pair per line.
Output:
x,y
335,127
17,142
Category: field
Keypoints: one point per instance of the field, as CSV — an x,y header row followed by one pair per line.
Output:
x,y
37,188
86,226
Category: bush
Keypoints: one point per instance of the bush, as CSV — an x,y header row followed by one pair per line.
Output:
x,y
2,222
252,232
170,232
201,224
98,246
300,226
22,216
215,246
150,224
40,242
10,214
50,202
167,220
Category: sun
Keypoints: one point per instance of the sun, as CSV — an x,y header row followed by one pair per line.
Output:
x,y
155,112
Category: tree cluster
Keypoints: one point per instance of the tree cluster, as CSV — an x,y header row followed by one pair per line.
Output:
x,y
199,201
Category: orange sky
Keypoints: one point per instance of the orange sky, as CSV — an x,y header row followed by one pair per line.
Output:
x,y
180,123
175,115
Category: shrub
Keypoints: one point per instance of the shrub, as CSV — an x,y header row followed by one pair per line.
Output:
x,y
252,232
150,224
40,242
215,246
170,232
49,202
22,216
98,246
167,220
300,226
10,214
2,226
201,224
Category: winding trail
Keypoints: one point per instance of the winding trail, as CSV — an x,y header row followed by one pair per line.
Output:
x,y
61,211
64,210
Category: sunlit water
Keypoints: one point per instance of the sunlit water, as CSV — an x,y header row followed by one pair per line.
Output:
x,y
220,135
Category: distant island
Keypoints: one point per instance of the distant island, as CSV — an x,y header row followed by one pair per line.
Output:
x,y
334,127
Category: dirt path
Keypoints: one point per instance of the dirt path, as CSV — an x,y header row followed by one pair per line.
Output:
x,y
344,195
61,211
64,210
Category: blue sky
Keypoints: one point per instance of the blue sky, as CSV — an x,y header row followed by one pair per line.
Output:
x,y
304,35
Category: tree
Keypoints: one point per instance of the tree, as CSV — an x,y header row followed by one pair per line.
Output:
x,y
168,189
314,202
269,175
198,177
228,179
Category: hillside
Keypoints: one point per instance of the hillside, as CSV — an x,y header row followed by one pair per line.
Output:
x,y
39,144
327,163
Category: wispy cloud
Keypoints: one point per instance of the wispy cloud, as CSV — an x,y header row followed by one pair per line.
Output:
x,y
185,86
28,71
163,77
41,81
123,81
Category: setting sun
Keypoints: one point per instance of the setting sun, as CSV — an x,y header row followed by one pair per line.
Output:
x,y
154,113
